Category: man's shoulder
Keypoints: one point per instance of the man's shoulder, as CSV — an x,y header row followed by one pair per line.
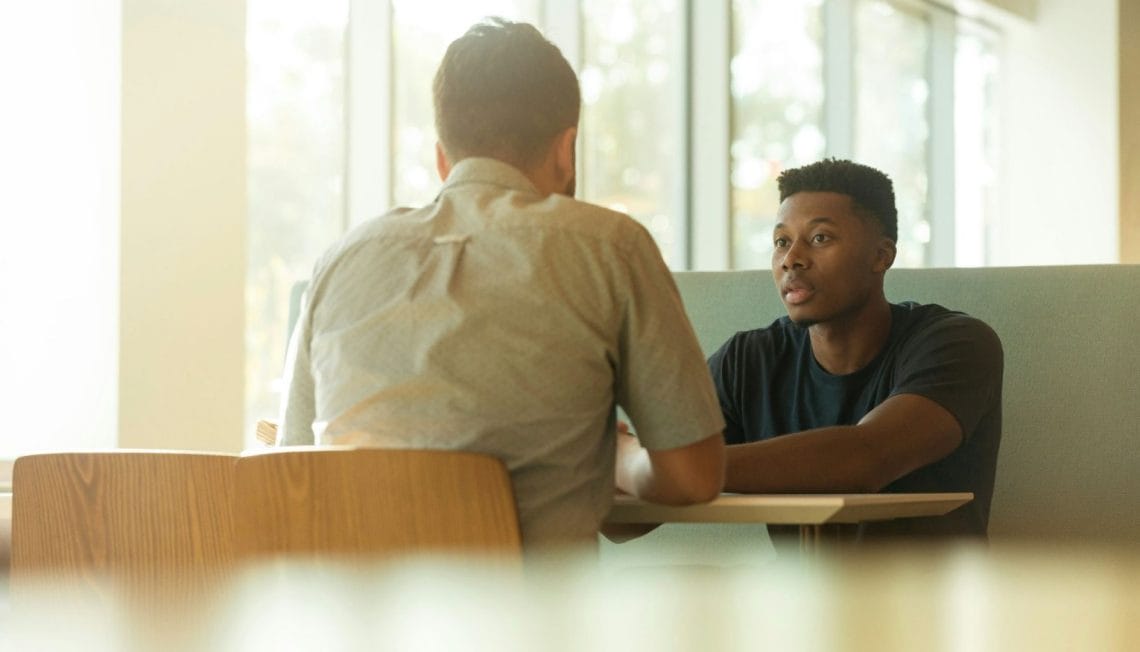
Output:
x,y
394,221
588,220
927,315
927,321
402,217
483,202
454,214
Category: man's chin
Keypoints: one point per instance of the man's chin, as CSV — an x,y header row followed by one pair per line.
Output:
x,y
799,319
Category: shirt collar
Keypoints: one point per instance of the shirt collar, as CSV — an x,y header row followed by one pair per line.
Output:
x,y
491,171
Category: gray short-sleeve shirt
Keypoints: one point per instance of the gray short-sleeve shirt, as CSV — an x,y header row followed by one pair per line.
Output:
x,y
501,321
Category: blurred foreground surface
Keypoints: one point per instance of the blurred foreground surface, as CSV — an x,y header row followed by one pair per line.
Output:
x,y
947,598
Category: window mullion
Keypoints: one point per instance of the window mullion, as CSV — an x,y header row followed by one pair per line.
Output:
x,y
562,24
839,77
368,116
710,134
941,162
681,209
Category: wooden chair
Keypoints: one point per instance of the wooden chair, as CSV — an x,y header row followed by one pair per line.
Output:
x,y
308,502
145,524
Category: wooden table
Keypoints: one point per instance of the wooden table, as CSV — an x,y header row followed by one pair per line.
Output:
x,y
809,511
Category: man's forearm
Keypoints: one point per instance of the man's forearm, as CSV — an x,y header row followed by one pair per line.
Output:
x,y
904,433
827,459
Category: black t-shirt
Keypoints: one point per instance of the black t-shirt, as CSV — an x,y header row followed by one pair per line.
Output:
x,y
769,384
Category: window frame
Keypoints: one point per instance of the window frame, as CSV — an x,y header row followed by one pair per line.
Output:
x,y
702,204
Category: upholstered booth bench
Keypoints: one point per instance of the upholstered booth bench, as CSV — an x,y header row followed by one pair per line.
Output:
x,y
1069,464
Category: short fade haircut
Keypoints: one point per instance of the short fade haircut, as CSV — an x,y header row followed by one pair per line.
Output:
x,y
871,191
503,91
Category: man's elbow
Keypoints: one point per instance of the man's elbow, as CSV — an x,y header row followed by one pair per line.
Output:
x,y
708,490
692,492
702,477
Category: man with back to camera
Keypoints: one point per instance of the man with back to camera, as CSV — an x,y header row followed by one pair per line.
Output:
x,y
506,317
848,392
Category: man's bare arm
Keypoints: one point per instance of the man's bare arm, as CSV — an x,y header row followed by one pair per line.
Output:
x,y
902,434
677,476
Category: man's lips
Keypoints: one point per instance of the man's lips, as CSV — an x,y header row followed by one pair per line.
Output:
x,y
796,292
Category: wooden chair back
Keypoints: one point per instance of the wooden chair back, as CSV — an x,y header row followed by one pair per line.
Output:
x,y
147,523
373,503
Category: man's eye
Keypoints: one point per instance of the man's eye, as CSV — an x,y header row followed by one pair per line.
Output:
x,y
820,238
780,243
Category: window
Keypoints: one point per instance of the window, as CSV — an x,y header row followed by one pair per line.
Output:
x,y
777,112
295,108
691,109
976,69
632,129
892,96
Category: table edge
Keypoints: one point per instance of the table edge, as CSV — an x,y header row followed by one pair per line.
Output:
x,y
804,509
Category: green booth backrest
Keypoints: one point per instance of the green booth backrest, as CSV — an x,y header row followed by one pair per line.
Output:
x,y
1069,465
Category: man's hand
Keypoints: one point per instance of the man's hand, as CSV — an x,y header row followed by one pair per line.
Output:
x,y
627,445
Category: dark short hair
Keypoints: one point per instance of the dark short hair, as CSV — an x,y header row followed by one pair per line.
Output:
x,y
870,190
503,91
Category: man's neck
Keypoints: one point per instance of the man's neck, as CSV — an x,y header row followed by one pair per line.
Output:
x,y
846,345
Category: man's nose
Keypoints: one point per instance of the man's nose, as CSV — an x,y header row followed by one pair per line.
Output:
x,y
795,256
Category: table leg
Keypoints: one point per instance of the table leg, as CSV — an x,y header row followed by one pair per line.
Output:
x,y
811,537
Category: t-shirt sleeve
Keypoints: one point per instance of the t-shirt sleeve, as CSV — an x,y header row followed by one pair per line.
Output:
x,y
957,362
725,366
663,383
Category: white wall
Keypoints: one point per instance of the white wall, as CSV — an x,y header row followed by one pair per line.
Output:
x,y
182,359
1060,100
59,236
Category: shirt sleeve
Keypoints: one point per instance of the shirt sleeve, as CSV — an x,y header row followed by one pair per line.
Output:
x,y
298,405
957,362
663,383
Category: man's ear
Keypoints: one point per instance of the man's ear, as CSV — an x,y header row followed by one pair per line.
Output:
x,y
884,255
442,165
564,158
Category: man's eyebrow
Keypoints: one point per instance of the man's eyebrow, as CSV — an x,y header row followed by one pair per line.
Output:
x,y
822,219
